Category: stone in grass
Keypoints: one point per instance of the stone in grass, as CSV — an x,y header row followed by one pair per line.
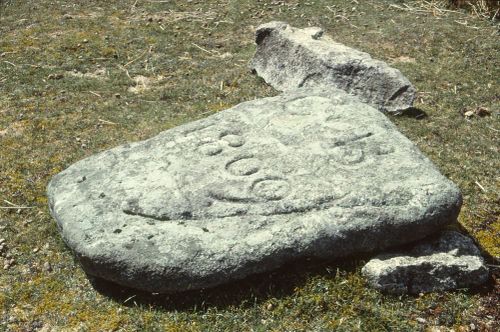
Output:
x,y
289,58
448,261
305,174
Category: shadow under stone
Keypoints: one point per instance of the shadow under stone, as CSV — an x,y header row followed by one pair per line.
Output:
x,y
278,284
247,292
413,112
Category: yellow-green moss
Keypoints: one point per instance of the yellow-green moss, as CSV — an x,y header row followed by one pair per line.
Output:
x,y
490,239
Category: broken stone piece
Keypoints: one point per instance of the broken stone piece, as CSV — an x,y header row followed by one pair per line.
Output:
x,y
308,173
448,261
289,58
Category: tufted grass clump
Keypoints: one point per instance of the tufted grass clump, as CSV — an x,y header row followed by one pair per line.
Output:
x,y
79,77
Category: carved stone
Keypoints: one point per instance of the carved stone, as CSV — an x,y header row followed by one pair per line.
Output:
x,y
308,173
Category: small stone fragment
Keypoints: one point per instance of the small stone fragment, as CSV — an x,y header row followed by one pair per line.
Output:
x,y
469,114
8,263
47,267
289,58
57,76
448,261
482,111
421,320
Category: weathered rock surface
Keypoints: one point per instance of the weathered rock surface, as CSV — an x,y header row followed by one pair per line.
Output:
x,y
289,58
310,173
448,261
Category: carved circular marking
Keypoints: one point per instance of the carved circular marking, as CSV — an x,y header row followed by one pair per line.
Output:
x,y
351,156
234,140
228,132
385,149
333,117
305,105
243,166
271,189
211,149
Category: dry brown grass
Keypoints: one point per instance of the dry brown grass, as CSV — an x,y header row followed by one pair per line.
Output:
x,y
481,8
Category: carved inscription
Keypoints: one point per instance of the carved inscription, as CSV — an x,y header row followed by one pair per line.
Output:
x,y
291,163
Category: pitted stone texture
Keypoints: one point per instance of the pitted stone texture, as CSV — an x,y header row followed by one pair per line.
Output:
x,y
289,58
449,261
310,173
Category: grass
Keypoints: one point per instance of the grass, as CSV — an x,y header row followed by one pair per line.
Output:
x,y
71,86
481,8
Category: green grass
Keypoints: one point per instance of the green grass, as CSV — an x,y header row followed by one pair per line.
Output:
x,y
67,74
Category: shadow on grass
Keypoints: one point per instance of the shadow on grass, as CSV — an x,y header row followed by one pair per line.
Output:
x,y
413,112
241,293
261,287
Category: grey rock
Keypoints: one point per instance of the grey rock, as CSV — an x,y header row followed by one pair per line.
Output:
x,y
289,58
445,262
310,173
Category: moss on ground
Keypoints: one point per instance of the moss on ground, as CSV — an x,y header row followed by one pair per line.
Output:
x,y
70,86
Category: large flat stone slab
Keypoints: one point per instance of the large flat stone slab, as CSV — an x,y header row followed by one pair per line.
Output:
x,y
309,173
289,58
447,261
